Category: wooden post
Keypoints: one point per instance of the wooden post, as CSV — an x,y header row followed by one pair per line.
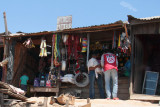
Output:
x,y
88,103
6,34
2,99
45,101
125,28
132,63
88,100
6,51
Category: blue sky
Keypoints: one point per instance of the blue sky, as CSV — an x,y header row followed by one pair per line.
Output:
x,y
41,15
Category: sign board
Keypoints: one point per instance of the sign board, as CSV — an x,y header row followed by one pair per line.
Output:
x,y
64,22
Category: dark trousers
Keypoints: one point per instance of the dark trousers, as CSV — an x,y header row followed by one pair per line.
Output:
x,y
99,82
24,87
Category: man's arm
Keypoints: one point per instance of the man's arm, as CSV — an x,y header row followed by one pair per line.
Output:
x,y
93,68
102,60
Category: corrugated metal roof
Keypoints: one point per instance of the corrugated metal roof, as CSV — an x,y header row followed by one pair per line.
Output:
x,y
147,19
95,28
150,18
30,34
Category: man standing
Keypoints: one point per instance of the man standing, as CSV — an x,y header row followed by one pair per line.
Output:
x,y
23,82
92,65
109,63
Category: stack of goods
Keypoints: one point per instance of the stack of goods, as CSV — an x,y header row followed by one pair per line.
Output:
x,y
68,78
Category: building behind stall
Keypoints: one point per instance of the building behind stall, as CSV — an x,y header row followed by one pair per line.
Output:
x,y
145,58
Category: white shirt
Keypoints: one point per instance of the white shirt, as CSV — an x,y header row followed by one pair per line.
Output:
x,y
92,63
102,60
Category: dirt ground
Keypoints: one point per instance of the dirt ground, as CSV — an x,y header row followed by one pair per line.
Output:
x,y
97,103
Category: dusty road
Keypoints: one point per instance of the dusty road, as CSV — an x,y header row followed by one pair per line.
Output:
x,y
100,103
116,103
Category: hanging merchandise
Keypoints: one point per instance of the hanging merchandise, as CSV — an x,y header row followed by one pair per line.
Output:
x,y
56,50
65,38
76,46
84,45
114,40
63,65
43,48
98,46
48,83
28,43
119,41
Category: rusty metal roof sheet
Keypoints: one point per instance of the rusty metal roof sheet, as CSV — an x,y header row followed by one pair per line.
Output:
x,y
95,28
29,34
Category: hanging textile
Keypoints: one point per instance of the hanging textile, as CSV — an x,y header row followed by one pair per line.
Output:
x,y
76,46
69,43
84,45
56,49
43,48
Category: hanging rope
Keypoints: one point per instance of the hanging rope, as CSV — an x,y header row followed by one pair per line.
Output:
x,y
56,49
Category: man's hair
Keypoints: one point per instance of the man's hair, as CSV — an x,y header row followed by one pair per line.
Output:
x,y
109,51
94,53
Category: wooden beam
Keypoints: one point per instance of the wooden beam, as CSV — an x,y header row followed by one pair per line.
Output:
x,y
144,97
18,96
43,89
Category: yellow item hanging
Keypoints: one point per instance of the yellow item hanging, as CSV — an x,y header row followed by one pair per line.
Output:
x,y
119,41
43,48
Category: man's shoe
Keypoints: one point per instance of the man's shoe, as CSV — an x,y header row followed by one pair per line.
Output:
x,y
115,98
108,98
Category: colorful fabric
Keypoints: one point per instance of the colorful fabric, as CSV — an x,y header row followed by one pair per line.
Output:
x,y
84,45
119,41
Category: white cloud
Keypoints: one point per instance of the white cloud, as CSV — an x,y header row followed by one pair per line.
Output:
x,y
127,5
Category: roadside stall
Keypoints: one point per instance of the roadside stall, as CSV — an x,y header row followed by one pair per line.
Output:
x,y
100,39
32,56
57,61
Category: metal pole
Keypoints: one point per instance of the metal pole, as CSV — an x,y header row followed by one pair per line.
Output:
x,y
88,38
